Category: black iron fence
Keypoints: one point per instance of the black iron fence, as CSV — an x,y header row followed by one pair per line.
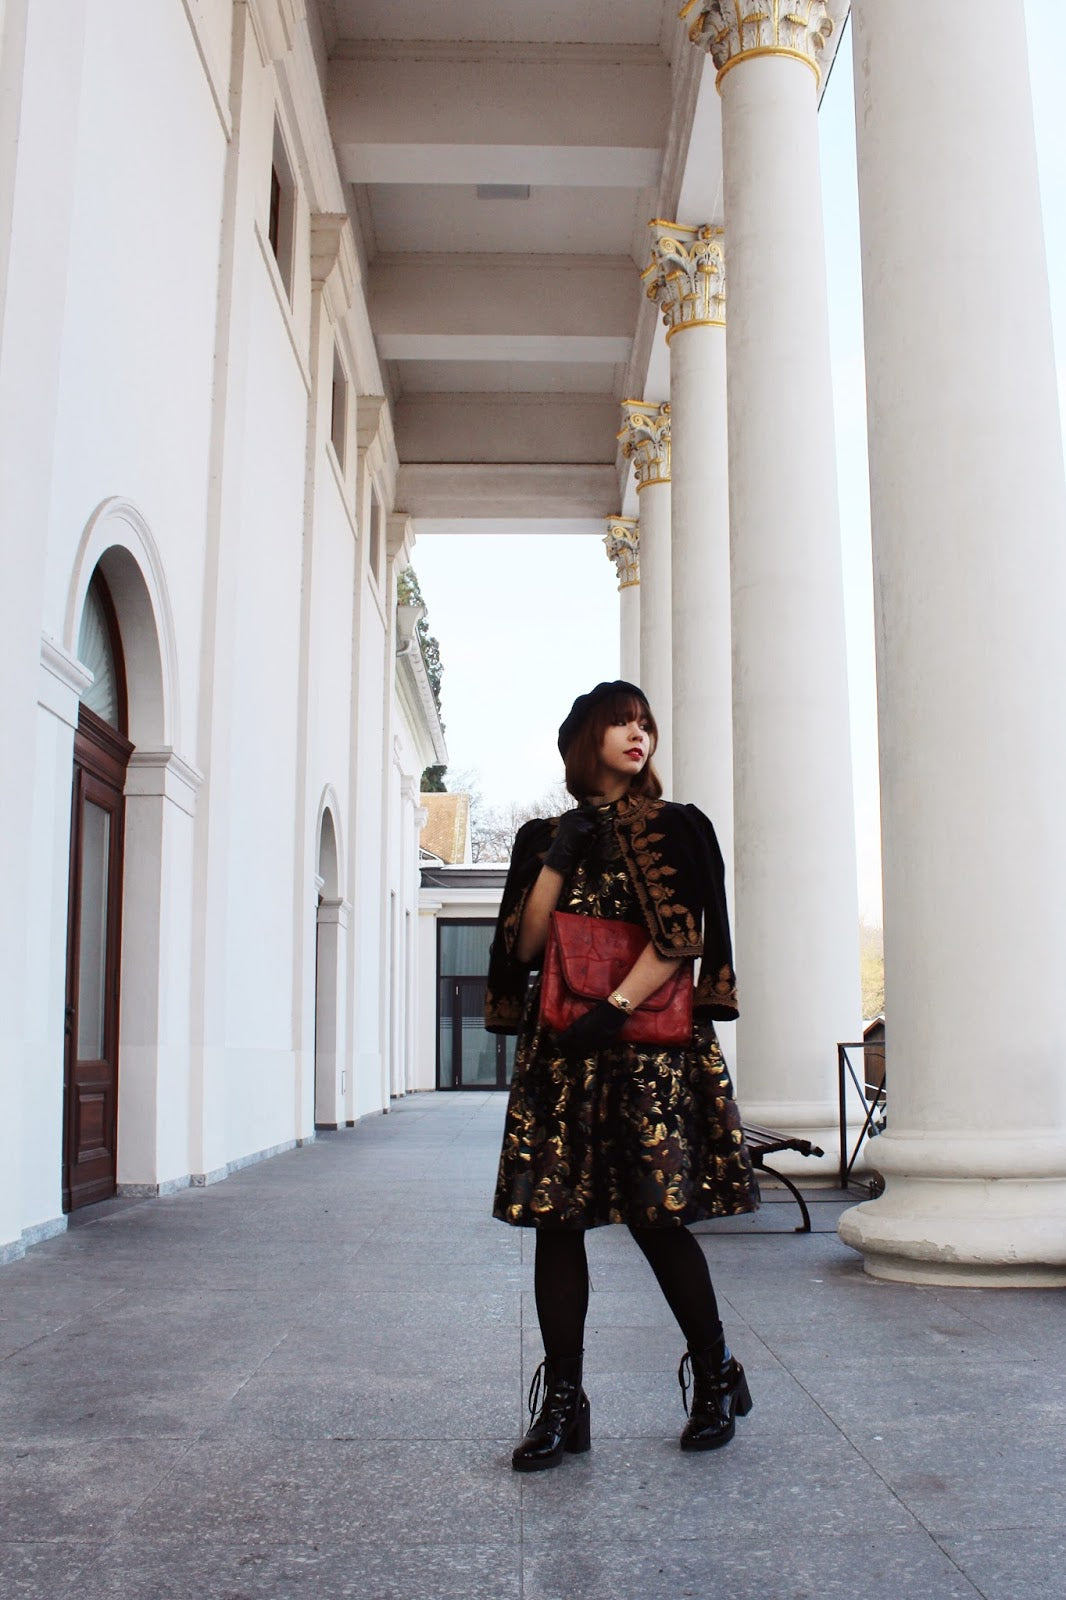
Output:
x,y
861,1079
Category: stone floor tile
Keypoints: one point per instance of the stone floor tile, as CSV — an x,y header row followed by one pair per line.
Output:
x,y
50,1397
888,1566
323,1492
206,1330
371,1570
37,1570
352,1404
81,1492
624,1488
972,1472
487,1350
866,1396
18,1333
341,1338
1012,1563
396,1308
33,1287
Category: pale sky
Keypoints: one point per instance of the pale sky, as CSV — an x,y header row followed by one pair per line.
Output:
x,y
525,623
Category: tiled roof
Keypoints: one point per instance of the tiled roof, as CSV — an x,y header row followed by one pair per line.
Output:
x,y
447,831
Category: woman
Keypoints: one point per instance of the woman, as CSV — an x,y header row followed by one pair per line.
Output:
x,y
599,1130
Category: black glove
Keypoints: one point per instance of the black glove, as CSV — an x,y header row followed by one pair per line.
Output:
x,y
594,1031
572,839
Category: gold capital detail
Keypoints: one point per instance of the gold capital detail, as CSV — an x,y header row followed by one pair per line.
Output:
x,y
732,30
623,546
645,436
686,276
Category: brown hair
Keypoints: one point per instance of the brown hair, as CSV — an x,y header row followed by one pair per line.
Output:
x,y
583,752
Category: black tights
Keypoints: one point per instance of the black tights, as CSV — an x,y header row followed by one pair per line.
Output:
x,y
561,1282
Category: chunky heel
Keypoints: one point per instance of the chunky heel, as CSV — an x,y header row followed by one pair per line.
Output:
x,y
580,1437
563,1422
720,1395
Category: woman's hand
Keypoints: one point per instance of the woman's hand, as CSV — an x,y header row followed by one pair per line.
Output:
x,y
594,1031
571,840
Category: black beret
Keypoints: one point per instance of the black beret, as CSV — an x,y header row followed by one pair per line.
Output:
x,y
585,703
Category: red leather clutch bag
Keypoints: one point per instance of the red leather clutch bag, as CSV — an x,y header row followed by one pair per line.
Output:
x,y
585,960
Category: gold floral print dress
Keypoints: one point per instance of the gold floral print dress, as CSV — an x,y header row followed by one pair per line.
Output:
x,y
635,1133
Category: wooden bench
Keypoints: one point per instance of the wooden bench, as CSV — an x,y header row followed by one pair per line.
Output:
x,y
763,1142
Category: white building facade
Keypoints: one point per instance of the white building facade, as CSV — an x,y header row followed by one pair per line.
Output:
x,y
214,947
287,284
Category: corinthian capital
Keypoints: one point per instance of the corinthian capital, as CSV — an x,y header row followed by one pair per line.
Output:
x,y
645,436
686,275
623,546
732,30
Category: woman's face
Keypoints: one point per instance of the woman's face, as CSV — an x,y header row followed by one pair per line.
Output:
x,y
626,746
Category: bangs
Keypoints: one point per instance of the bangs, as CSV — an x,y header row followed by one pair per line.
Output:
x,y
624,707
582,757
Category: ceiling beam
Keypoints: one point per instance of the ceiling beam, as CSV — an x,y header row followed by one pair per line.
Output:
x,y
545,492
431,120
574,297
506,428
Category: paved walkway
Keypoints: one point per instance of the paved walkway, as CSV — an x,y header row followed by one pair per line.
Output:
x,y
305,1383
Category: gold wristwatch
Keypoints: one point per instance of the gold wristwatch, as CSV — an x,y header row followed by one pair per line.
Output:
x,y
618,999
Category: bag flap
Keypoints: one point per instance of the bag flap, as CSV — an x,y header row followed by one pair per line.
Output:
x,y
595,954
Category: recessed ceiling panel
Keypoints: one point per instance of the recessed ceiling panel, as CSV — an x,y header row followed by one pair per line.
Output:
x,y
539,21
487,377
409,216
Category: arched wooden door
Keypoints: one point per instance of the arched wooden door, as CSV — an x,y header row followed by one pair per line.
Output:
x,y
94,919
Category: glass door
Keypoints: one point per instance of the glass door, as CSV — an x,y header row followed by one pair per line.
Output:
x,y
468,1056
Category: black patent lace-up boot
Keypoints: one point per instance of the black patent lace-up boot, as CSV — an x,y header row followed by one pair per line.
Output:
x,y
719,1395
562,1422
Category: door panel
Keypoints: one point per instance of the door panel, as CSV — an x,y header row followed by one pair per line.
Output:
x,y
469,1056
93,956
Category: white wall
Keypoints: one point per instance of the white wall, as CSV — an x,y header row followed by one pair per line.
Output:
x,y
110,233
165,406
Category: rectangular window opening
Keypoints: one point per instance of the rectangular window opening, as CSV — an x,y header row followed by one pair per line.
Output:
x,y
281,223
338,426
377,518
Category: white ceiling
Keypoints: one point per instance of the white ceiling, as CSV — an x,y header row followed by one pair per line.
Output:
x,y
515,21
510,328
418,217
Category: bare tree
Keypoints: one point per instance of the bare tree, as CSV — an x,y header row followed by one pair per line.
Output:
x,y
493,832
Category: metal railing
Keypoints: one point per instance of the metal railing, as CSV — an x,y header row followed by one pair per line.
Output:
x,y
873,1098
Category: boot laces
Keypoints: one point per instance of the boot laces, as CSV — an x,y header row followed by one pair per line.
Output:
x,y
709,1381
685,1379
547,1390
537,1388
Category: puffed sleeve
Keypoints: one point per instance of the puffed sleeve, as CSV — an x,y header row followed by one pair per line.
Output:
x,y
508,976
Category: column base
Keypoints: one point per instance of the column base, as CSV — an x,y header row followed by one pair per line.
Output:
x,y
978,1233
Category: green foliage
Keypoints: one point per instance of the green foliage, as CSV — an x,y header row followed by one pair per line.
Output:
x,y
433,781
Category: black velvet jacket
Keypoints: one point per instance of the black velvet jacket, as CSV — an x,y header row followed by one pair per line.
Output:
x,y
675,866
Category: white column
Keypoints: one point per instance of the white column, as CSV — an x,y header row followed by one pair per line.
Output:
x,y
969,525
794,847
687,279
645,436
154,1078
331,1052
623,546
